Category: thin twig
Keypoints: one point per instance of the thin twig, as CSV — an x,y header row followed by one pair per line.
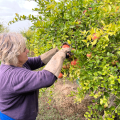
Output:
x,y
116,108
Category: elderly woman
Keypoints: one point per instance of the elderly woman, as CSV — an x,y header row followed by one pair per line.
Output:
x,y
19,84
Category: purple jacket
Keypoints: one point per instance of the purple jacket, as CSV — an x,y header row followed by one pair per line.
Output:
x,y
19,88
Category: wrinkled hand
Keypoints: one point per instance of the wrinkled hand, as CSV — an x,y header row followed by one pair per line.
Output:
x,y
68,52
65,50
56,62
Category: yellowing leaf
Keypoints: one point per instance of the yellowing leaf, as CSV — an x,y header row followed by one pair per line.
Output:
x,y
68,41
112,82
87,44
77,22
94,42
101,101
105,9
117,7
54,45
111,33
106,104
50,7
101,32
92,31
106,37
79,100
84,41
109,8
98,34
96,95
103,22
16,14
16,19
49,42
84,32
89,37
118,80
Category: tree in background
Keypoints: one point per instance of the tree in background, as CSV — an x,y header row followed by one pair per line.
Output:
x,y
3,29
28,35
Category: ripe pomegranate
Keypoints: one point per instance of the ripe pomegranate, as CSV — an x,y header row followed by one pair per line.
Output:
x,y
94,36
84,11
89,55
74,49
65,46
114,62
74,62
90,8
60,75
66,66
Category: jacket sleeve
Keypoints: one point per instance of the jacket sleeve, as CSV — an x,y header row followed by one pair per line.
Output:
x,y
25,80
34,63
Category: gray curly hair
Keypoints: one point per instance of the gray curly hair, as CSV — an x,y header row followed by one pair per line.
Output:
x,y
11,45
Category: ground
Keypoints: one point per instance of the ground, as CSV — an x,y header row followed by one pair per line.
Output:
x,y
56,104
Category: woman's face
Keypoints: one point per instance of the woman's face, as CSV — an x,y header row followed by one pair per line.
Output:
x,y
23,57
